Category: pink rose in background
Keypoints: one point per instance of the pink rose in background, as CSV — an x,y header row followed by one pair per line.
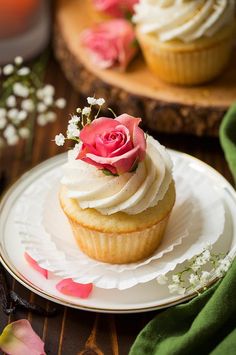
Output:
x,y
116,8
117,145
110,43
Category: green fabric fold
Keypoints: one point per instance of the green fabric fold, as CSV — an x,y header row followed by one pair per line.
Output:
x,y
207,323
228,138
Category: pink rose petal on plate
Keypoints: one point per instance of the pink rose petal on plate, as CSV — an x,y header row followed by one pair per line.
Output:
x,y
18,338
71,288
35,265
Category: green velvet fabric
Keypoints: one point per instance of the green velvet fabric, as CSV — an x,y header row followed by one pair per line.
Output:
x,y
228,138
206,324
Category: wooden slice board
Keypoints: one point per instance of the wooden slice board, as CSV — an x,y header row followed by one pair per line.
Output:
x,y
163,107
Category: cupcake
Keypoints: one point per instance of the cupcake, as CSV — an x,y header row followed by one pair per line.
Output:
x,y
185,42
117,189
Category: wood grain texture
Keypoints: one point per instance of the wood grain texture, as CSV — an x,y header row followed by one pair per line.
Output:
x,y
72,331
165,108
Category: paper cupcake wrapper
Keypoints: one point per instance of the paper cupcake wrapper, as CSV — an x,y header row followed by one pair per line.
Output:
x,y
55,249
183,66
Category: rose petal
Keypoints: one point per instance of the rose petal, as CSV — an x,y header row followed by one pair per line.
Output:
x,y
129,121
137,133
139,139
71,288
18,338
35,265
89,132
122,163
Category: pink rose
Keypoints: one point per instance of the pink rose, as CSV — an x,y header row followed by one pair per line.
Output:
x,y
110,43
116,8
117,145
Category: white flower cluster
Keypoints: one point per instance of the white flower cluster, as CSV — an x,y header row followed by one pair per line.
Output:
x,y
78,121
22,98
193,277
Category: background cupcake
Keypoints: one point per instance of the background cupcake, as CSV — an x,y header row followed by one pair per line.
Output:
x,y
186,42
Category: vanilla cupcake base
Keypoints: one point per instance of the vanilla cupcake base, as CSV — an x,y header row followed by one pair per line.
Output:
x,y
182,63
118,238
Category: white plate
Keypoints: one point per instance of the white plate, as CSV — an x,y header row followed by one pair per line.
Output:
x,y
143,297
198,215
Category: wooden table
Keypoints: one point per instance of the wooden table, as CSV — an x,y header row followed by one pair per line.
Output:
x,y
72,331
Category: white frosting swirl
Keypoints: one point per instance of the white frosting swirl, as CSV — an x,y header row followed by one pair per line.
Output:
x,y
186,20
131,193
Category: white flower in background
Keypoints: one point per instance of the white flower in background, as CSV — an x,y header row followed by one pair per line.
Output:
x,y
11,101
48,100
13,113
176,288
3,122
86,111
206,255
223,266
8,69
39,94
27,105
3,112
162,280
193,279
48,90
100,101
201,260
22,96
204,278
196,274
42,120
59,139
20,90
18,60
78,110
24,132
22,115
41,107
51,116
176,279
9,131
60,103
12,140
23,71
91,101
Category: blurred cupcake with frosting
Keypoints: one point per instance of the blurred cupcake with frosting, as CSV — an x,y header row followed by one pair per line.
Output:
x,y
186,42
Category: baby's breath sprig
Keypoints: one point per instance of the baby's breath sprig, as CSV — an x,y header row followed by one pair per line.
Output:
x,y
199,271
79,120
24,99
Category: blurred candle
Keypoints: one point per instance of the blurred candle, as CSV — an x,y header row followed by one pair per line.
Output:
x,y
16,16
